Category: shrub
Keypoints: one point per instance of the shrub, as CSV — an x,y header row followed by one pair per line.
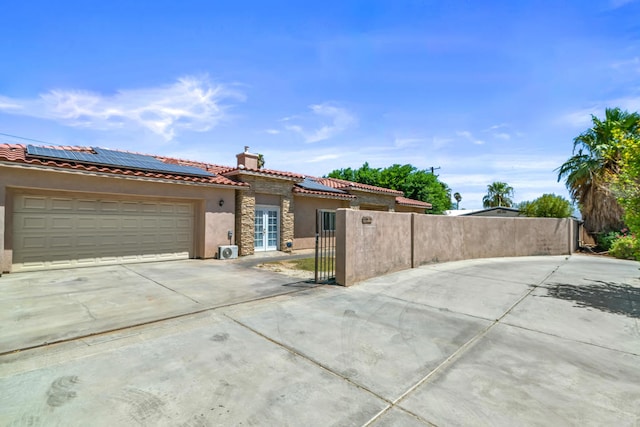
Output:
x,y
547,206
626,247
606,240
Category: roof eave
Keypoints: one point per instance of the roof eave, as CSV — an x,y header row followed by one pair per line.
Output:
x,y
236,172
60,169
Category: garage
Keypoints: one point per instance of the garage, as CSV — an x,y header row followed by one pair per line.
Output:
x,y
62,230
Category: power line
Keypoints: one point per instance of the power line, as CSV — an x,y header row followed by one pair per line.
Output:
x,y
23,138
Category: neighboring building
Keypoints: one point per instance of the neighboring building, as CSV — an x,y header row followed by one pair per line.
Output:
x,y
66,206
499,211
458,212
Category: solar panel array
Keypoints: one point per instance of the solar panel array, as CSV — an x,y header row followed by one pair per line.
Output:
x,y
104,157
310,184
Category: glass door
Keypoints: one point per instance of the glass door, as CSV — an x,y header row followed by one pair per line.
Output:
x,y
265,228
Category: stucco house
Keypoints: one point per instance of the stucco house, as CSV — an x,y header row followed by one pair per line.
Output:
x,y
63,206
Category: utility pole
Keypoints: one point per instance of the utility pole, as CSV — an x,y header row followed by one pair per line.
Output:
x,y
434,169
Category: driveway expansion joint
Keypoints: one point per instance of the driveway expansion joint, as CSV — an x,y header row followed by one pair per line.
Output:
x,y
307,358
461,350
149,322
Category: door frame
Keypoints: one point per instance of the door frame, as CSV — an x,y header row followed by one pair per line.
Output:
x,y
265,247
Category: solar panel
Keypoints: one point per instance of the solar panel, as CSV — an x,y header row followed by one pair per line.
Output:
x,y
105,157
310,184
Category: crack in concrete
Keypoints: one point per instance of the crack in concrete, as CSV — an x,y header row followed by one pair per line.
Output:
x,y
88,311
158,283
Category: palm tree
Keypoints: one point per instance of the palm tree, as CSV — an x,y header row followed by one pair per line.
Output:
x,y
587,173
498,194
458,198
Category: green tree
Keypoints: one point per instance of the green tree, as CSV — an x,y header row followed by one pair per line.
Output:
x,y
458,198
498,194
364,175
588,173
547,206
626,187
414,183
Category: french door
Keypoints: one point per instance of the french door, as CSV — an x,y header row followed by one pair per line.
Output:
x,y
265,228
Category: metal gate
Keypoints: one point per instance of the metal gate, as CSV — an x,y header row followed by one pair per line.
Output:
x,y
325,246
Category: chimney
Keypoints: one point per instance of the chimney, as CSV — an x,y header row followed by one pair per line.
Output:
x,y
247,160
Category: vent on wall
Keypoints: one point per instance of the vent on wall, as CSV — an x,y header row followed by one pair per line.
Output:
x,y
228,252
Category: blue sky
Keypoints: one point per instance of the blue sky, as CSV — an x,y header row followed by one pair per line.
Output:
x,y
485,90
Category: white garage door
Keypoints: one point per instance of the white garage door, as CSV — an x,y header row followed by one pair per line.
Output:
x,y
62,232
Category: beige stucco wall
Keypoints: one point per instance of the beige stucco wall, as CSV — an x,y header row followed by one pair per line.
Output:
x,y
400,208
369,250
268,199
442,238
305,218
375,199
212,221
395,241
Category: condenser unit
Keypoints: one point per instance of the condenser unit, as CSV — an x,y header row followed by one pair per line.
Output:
x,y
228,252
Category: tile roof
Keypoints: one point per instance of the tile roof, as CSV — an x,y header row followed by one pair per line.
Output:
x,y
16,153
232,171
342,184
324,194
404,201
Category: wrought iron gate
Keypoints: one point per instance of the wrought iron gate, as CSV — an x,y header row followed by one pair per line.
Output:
x,y
325,246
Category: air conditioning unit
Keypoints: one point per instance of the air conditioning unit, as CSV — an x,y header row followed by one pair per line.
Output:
x,y
228,252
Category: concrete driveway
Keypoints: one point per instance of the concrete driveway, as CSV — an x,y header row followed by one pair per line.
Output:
x,y
523,341
52,306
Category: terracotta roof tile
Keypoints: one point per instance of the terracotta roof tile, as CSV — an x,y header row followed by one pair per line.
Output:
x,y
326,194
404,201
16,153
236,171
342,184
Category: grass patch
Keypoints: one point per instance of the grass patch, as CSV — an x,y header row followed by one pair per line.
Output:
x,y
306,264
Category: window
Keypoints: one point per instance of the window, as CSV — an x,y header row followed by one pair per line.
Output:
x,y
328,221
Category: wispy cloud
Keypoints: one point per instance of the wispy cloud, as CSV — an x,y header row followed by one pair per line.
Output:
x,y
582,118
578,119
632,64
272,131
496,127
339,120
191,103
407,142
499,131
323,158
619,3
439,142
469,137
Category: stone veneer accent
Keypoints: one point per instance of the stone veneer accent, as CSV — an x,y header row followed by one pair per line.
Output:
x,y
287,220
283,189
245,218
246,205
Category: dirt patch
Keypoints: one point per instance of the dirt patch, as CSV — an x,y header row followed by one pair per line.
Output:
x,y
287,267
